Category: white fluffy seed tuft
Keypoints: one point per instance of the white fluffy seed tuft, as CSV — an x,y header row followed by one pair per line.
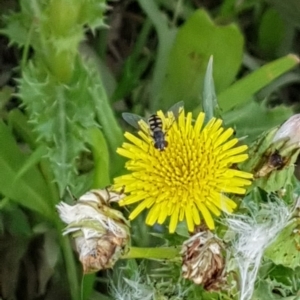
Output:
x,y
253,234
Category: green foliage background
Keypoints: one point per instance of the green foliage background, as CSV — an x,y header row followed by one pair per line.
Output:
x,y
74,71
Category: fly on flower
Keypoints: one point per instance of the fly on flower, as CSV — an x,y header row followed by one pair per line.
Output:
x,y
155,125
188,181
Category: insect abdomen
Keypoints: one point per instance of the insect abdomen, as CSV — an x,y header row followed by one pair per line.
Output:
x,y
155,123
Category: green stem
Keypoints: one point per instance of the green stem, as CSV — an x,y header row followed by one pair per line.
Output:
x,y
62,124
142,39
177,9
48,175
70,265
26,47
153,253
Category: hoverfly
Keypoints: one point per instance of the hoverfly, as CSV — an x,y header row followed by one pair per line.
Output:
x,y
156,129
155,125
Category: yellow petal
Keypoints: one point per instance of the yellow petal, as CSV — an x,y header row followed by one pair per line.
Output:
x,y
207,216
188,180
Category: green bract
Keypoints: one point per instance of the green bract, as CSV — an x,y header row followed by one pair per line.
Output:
x,y
272,163
286,249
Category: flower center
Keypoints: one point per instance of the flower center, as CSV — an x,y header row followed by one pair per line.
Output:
x,y
187,166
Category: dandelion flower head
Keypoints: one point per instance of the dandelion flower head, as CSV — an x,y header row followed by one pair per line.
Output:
x,y
191,179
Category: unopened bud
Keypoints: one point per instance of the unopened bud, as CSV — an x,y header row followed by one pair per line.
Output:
x,y
101,234
203,261
289,129
273,156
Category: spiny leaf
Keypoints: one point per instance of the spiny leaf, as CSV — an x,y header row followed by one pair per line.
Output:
x,y
60,115
16,29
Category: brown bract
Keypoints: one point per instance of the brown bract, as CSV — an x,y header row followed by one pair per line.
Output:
x,y
103,253
101,233
203,261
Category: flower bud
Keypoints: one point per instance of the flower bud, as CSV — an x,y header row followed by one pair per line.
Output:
x,y
101,234
289,129
273,156
203,260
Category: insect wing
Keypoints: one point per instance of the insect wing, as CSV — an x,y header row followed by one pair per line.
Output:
x,y
175,108
132,119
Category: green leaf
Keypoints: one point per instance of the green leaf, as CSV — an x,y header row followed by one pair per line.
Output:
x,y
13,249
271,32
101,158
263,291
285,250
197,40
166,36
105,116
16,221
34,158
279,83
242,118
60,115
19,122
245,88
268,177
210,104
30,190
5,95
286,277
289,10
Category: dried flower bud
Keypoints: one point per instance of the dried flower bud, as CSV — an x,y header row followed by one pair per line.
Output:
x,y
101,233
203,260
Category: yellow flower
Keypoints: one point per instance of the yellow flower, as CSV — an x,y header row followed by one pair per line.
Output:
x,y
193,174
